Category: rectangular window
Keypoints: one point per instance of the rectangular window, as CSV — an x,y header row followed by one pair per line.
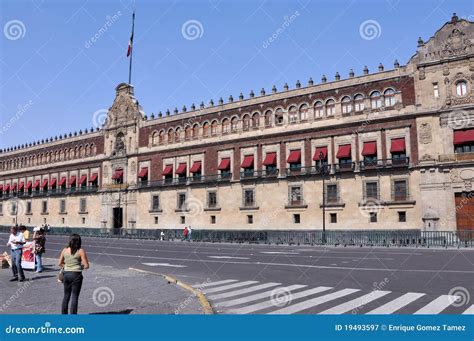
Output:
x,y
211,199
13,208
213,219
333,218
155,202
402,217
435,90
331,194
83,220
373,217
249,219
62,206
183,219
400,190
28,207
296,218
44,206
83,205
63,220
295,196
249,198
371,190
1,208
156,220
182,201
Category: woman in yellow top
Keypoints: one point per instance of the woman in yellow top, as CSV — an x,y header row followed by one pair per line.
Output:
x,y
73,260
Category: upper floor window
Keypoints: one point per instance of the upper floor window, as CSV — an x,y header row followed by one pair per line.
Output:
x,y
268,118
187,133
318,109
389,96
279,119
375,100
225,126
330,107
195,131
255,120
170,136
154,138
293,114
246,122
234,124
304,112
214,128
359,103
205,129
461,88
177,134
346,105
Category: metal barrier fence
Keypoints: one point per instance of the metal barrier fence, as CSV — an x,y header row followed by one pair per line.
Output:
x,y
400,238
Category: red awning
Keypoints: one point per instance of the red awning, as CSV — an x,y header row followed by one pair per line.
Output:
x,y
143,172
270,159
14,187
82,179
181,169
72,180
463,136
196,167
344,151
93,177
28,185
118,174
36,184
44,183
21,185
319,151
53,182
224,164
168,170
248,162
370,148
294,157
7,187
398,145
62,181
1,187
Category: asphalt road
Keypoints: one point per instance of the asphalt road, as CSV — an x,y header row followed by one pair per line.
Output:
x,y
240,278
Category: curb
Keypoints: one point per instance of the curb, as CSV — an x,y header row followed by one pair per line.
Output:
x,y
205,304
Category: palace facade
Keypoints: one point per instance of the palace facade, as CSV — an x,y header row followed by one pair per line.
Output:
x,y
392,149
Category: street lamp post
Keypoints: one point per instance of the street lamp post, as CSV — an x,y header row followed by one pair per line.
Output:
x,y
323,172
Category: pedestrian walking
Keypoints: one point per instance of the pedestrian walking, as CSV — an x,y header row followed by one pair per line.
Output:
x,y
185,233
190,233
39,247
73,260
16,242
162,235
25,232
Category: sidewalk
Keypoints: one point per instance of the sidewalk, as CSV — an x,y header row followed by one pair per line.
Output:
x,y
105,290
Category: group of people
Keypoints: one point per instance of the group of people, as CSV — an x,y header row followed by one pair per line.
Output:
x,y
72,261
187,233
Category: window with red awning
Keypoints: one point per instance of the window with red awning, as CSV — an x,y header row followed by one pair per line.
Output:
x,y
118,174
224,164
143,172
1,187
62,181
36,184
28,185
319,151
7,187
21,185
82,180
93,177
196,167
44,183
398,145
72,180
181,170
270,159
52,183
168,170
463,137
344,151
294,157
370,148
14,187
247,162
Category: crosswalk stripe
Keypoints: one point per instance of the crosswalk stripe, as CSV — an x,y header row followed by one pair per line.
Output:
x,y
438,305
270,303
211,284
469,311
243,291
396,304
294,308
256,297
229,286
357,302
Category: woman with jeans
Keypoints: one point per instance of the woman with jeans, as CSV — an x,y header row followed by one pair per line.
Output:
x,y
73,260
39,247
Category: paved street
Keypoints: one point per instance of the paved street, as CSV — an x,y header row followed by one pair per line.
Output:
x,y
301,279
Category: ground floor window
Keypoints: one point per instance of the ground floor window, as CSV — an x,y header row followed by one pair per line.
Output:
x,y
333,218
296,218
373,217
402,216
213,219
249,219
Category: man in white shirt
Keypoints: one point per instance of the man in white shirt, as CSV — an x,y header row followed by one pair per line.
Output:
x,y
16,242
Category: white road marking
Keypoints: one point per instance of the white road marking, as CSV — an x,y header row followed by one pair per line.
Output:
x,y
230,286
438,305
211,284
280,253
271,303
227,257
165,264
294,308
397,303
243,291
355,303
256,297
469,311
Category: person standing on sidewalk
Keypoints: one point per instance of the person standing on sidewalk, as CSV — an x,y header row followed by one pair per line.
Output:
x,y
185,233
73,260
16,242
190,232
39,247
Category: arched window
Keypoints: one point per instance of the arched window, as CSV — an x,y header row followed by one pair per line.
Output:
x,y
205,129
170,136
154,138
279,118
461,88
234,124
375,100
389,96
346,105
214,128
161,137
188,133
195,131
359,103
318,109
177,134
246,122
268,118
225,126
330,107
304,112
255,120
293,114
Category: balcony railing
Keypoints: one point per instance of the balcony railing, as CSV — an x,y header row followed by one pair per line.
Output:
x,y
50,192
314,170
296,203
344,167
265,173
185,180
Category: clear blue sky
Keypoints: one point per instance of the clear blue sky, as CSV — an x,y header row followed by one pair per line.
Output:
x,y
53,78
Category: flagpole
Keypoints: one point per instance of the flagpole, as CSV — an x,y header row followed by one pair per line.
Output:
x,y
131,51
